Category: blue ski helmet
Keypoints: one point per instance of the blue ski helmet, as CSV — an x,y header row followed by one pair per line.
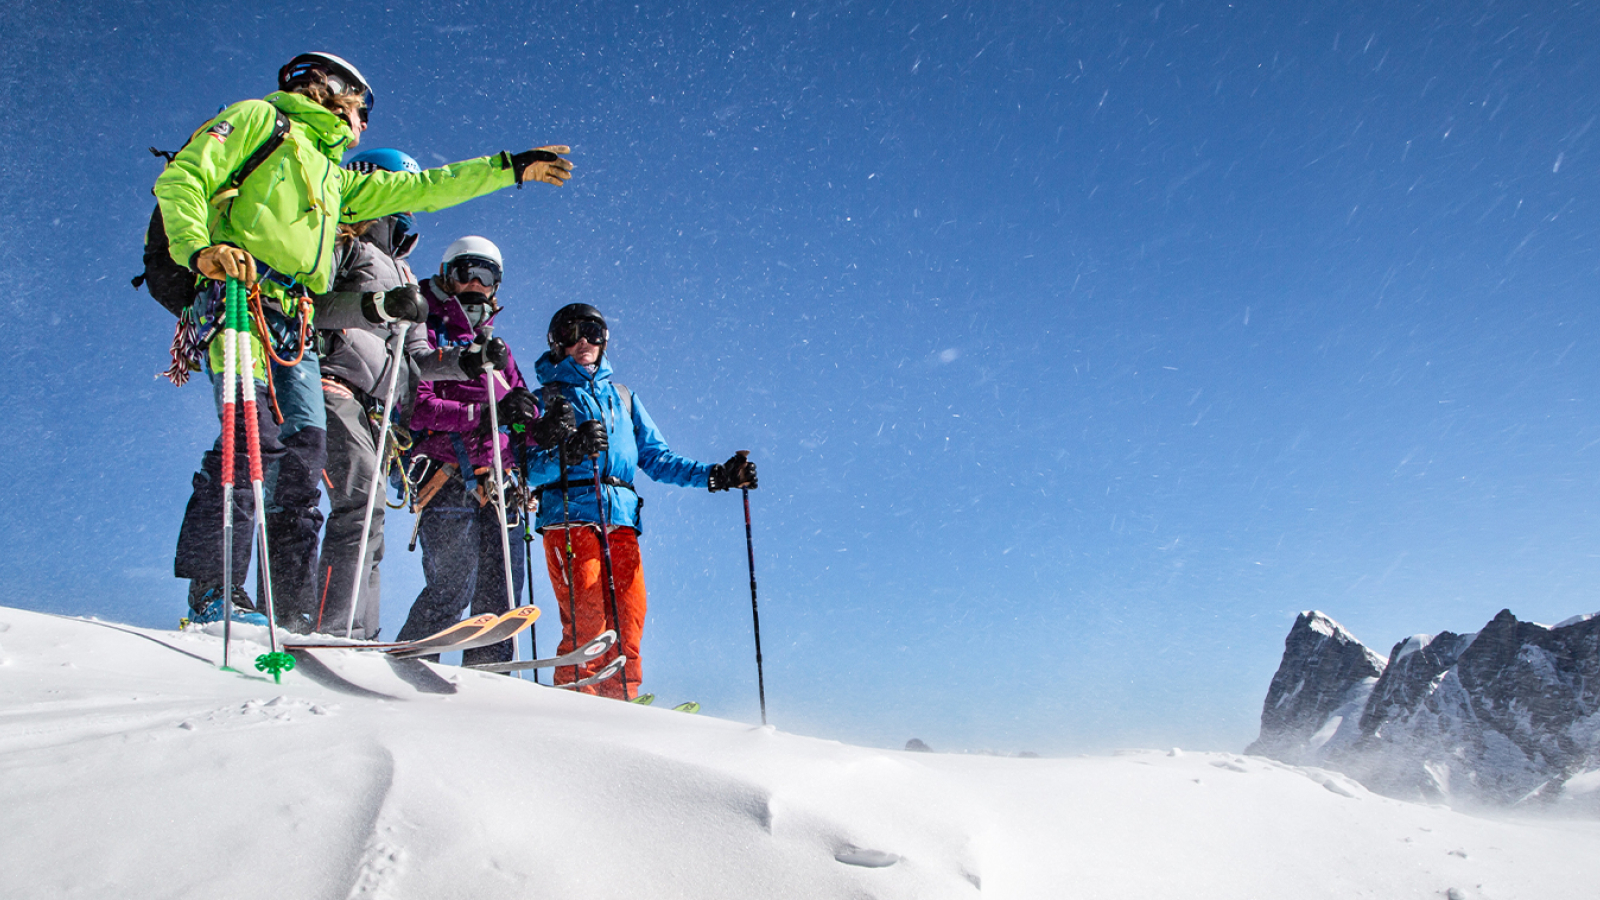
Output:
x,y
386,158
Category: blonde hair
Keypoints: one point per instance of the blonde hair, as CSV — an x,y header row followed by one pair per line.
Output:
x,y
342,105
354,229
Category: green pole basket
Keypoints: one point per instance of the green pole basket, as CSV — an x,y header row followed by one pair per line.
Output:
x,y
275,663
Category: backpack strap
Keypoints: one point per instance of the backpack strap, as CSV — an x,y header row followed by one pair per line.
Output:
x,y
465,461
627,399
280,130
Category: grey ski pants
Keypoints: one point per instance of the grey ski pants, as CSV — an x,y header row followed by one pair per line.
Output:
x,y
352,456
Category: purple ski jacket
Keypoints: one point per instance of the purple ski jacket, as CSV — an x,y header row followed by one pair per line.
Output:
x,y
457,407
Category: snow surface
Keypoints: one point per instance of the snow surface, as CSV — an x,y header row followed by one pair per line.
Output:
x,y
130,766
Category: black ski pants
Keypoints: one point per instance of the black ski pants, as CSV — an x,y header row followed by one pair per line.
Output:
x,y
464,566
292,458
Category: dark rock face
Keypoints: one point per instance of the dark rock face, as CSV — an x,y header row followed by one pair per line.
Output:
x,y
1508,715
1415,665
1326,674
1532,684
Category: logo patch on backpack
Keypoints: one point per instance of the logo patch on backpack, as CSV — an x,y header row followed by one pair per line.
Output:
x,y
220,131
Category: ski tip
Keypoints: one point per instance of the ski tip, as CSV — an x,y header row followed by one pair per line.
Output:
x,y
644,699
687,706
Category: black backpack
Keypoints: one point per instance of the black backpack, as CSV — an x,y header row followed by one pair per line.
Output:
x,y
173,285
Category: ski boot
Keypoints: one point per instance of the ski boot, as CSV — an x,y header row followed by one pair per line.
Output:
x,y
205,606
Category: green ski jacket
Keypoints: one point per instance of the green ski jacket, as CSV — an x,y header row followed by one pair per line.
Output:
x,y
286,214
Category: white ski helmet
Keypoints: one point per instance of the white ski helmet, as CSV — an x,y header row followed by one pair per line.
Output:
x,y
471,257
350,79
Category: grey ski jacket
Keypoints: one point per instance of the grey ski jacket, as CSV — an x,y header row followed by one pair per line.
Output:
x,y
356,351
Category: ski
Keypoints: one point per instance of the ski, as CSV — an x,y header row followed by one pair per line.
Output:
x,y
587,653
508,626
610,671
456,637
643,699
687,706
459,631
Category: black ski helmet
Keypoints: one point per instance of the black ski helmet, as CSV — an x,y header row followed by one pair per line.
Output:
x,y
563,324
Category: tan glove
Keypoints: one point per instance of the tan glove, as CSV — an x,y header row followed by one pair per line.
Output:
x,y
543,164
220,261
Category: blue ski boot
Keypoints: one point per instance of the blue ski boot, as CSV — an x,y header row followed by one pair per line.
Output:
x,y
207,606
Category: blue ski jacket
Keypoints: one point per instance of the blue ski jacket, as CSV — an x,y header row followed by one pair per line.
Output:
x,y
635,445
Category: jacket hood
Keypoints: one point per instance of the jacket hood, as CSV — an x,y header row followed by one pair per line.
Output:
x,y
380,234
332,133
551,371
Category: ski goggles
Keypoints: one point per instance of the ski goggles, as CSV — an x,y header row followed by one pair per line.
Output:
x,y
569,333
463,269
339,87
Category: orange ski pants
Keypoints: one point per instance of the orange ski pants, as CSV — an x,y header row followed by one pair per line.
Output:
x,y
586,611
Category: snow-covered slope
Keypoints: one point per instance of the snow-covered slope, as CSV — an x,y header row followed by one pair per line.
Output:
x,y
130,766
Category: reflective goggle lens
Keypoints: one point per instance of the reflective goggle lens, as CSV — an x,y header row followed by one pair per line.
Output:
x,y
339,86
585,329
463,269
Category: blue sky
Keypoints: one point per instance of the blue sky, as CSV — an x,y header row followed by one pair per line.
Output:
x,y
1080,347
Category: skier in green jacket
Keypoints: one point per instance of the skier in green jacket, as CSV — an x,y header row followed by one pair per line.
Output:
x,y
276,232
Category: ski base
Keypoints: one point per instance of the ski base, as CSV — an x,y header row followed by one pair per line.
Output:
x,y
611,670
506,627
479,631
585,654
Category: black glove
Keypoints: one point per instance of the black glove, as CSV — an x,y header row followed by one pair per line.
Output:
x,y
481,357
556,425
518,407
737,472
402,304
588,440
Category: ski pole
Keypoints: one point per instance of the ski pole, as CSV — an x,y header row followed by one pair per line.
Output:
x,y
233,312
572,588
527,564
527,537
755,614
527,574
502,513
379,464
274,661
600,503
552,393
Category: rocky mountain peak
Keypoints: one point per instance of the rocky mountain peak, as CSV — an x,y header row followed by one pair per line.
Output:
x,y
1509,714
1323,681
